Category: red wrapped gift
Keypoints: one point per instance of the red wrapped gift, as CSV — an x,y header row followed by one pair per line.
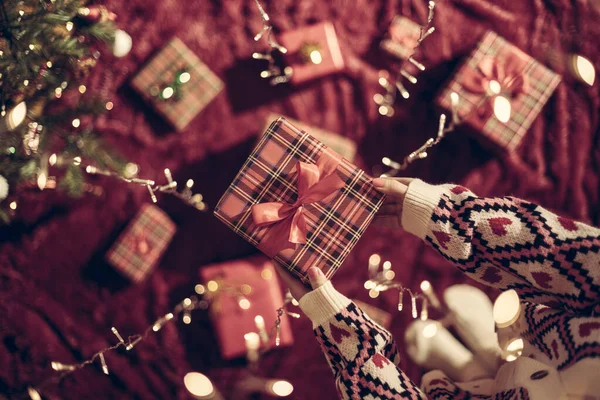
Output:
x,y
342,145
402,37
240,290
299,202
312,52
501,90
139,248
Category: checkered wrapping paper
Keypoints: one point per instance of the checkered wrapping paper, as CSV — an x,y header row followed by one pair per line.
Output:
x,y
342,145
402,37
201,89
137,251
230,321
269,176
525,108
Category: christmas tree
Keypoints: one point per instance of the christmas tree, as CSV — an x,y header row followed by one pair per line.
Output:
x,y
47,49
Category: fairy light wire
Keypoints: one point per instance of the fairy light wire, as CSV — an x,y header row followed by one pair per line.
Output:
x,y
187,196
273,72
386,102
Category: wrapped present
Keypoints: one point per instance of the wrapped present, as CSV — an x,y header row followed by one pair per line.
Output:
x,y
141,245
312,52
342,145
177,84
240,291
378,315
299,202
501,90
402,37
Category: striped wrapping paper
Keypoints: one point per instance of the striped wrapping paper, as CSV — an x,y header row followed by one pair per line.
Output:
x,y
334,225
541,83
201,89
139,248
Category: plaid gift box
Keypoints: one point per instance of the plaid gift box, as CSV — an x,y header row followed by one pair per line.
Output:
x,y
402,37
177,83
497,70
299,202
140,246
239,291
340,144
312,52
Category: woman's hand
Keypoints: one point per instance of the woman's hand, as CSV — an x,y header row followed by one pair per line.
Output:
x,y
297,288
390,213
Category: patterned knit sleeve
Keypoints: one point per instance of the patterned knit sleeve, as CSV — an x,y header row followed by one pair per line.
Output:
x,y
509,243
361,354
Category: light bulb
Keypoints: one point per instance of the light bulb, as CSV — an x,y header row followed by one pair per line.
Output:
x,y
281,388
583,69
502,109
16,116
198,385
507,308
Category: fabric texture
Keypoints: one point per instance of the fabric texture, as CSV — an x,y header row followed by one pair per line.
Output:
x,y
302,223
552,262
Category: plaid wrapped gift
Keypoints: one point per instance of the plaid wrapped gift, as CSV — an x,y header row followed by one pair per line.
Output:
x,y
240,290
402,37
178,100
138,249
340,144
497,69
312,52
299,202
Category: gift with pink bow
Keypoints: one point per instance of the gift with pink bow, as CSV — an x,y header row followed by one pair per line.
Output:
x,y
499,91
299,202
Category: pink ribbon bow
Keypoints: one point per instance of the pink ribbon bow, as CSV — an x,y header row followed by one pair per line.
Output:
x,y
508,72
287,221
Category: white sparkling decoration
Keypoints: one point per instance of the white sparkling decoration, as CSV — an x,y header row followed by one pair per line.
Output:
x,y
122,44
3,188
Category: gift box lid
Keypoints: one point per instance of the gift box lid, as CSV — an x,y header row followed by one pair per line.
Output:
x,y
324,203
344,146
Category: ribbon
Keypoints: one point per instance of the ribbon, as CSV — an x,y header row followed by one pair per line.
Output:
x,y
287,221
509,73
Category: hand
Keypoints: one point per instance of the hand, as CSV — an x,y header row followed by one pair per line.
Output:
x,y
297,288
390,213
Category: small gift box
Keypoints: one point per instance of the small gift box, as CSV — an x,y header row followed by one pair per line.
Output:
x,y
299,202
139,248
240,291
312,52
177,84
340,144
402,37
500,90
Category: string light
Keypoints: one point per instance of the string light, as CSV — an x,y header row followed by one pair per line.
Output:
x,y
195,200
421,152
273,71
386,102
199,385
413,305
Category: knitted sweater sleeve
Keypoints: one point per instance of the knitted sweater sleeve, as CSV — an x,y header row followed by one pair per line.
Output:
x,y
509,243
361,354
